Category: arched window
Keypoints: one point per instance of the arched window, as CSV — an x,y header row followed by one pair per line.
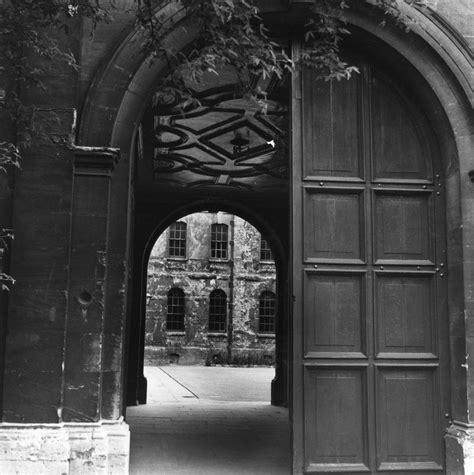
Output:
x,y
217,311
175,315
265,251
219,241
266,312
177,240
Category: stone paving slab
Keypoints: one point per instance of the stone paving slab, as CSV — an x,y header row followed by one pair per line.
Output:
x,y
218,383
204,436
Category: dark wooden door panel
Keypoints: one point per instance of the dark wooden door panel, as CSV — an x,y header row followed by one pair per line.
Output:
x,y
407,419
333,225
336,408
368,245
404,227
400,150
334,306
331,142
405,311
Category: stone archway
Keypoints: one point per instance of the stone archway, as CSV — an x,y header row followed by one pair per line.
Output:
x,y
437,73
221,153
147,233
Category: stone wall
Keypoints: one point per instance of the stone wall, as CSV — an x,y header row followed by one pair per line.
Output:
x,y
459,13
243,277
44,449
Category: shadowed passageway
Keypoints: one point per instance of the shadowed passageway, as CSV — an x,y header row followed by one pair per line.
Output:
x,y
202,420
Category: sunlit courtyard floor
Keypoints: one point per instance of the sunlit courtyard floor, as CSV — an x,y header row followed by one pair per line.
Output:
x,y
209,420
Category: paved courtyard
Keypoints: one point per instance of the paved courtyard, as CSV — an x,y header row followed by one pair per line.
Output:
x,y
209,420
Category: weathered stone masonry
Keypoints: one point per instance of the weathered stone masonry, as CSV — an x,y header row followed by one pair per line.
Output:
x,y
243,276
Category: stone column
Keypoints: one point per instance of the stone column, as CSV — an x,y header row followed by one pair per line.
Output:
x,y
88,273
52,417
105,443
6,193
460,186
136,381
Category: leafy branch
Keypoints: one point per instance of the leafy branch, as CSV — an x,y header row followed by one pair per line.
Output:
x,y
9,157
323,35
393,9
232,33
30,38
6,279
6,235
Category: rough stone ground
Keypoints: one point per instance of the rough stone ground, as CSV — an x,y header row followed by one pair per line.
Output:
x,y
209,421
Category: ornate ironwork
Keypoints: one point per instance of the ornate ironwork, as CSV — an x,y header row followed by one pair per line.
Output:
x,y
219,139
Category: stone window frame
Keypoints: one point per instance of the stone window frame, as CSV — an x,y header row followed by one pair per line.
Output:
x,y
175,310
219,241
267,312
177,240
266,254
217,319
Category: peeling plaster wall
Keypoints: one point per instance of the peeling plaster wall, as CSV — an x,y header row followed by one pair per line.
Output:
x,y
198,275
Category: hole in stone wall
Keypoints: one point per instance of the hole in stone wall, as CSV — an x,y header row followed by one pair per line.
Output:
x,y
85,299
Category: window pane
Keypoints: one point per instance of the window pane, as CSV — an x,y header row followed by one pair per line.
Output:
x,y
217,311
175,316
219,240
177,240
265,251
266,313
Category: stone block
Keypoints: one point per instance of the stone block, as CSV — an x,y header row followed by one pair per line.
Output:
x,y
22,467
81,397
36,349
32,396
118,464
40,307
459,441
111,390
112,354
88,450
98,448
118,450
83,352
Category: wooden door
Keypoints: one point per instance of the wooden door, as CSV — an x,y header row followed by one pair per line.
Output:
x,y
370,363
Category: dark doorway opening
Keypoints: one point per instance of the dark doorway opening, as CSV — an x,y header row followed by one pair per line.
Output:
x,y
214,283
217,153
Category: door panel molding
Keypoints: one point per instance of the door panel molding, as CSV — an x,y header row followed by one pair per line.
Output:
x,y
368,241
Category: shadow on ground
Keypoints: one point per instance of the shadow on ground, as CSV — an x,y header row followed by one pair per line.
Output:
x,y
209,420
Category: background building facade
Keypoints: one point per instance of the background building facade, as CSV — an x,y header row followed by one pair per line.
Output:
x,y
211,293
